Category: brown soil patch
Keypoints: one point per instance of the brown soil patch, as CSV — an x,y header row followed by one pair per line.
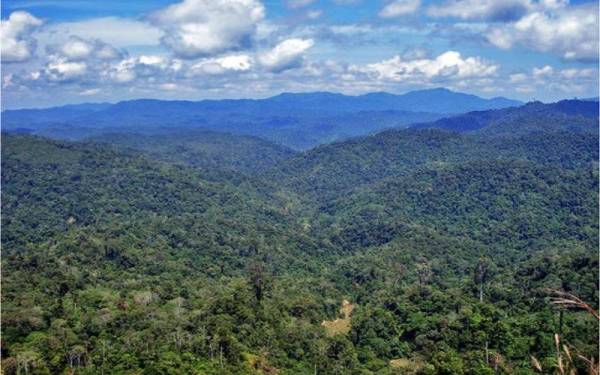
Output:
x,y
341,325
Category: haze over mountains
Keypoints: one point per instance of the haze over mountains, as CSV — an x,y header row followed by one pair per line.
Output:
x,y
300,121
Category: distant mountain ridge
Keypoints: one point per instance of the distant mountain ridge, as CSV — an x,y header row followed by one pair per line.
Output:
x,y
437,100
297,120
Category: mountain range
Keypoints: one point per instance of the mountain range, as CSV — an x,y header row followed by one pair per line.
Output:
x,y
300,121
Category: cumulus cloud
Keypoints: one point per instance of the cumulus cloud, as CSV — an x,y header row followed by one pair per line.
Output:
x,y
285,55
547,73
153,60
571,81
544,71
16,40
195,28
232,63
7,80
148,67
64,70
578,73
571,33
544,25
77,59
517,77
449,65
88,63
76,48
399,8
122,72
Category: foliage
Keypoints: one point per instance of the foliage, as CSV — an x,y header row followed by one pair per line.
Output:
x,y
171,260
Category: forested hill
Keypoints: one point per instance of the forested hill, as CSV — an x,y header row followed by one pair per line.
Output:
x,y
535,117
204,149
168,254
53,187
332,170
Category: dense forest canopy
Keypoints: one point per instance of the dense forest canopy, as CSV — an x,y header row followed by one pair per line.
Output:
x,y
437,249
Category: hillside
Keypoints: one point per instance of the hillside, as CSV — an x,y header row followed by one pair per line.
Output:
x,y
505,205
567,115
333,170
213,253
62,186
203,149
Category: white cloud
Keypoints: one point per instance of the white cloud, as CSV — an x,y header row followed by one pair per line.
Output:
x,y
544,71
148,67
449,65
577,73
517,78
119,32
76,48
571,33
569,81
237,63
107,52
155,60
15,36
399,8
286,55
123,72
63,70
197,28
546,74
90,92
7,80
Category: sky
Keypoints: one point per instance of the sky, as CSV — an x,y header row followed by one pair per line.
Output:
x,y
57,52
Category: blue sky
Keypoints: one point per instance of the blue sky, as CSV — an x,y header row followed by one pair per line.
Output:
x,y
69,51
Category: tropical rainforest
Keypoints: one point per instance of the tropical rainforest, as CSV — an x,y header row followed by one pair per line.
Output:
x,y
463,244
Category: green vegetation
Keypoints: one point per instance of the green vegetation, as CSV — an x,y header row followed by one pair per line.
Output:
x,y
407,252
204,149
